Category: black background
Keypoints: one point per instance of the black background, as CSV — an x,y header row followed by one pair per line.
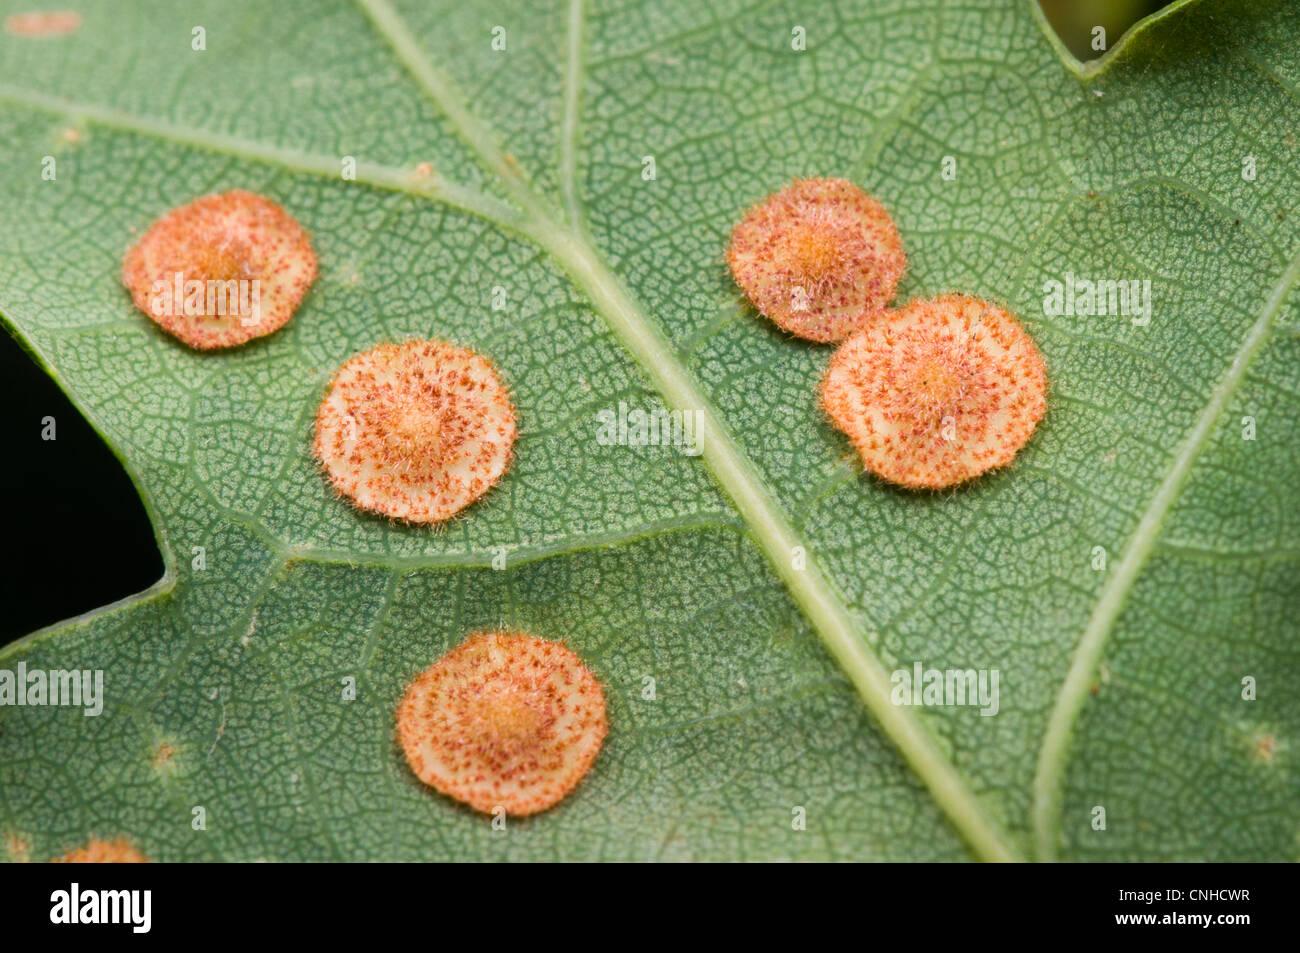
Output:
x,y
76,534
897,907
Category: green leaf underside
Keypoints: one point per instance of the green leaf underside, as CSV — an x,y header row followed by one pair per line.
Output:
x,y
646,561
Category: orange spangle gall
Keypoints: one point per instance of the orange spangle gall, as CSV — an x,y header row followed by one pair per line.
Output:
x,y
938,392
821,258
1265,747
118,851
162,755
18,848
415,431
43,23
505,720
222,270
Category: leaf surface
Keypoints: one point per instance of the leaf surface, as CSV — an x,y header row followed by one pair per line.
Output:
x,y
225,686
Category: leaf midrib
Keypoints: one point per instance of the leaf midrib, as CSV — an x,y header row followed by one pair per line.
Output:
x,y
732,469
